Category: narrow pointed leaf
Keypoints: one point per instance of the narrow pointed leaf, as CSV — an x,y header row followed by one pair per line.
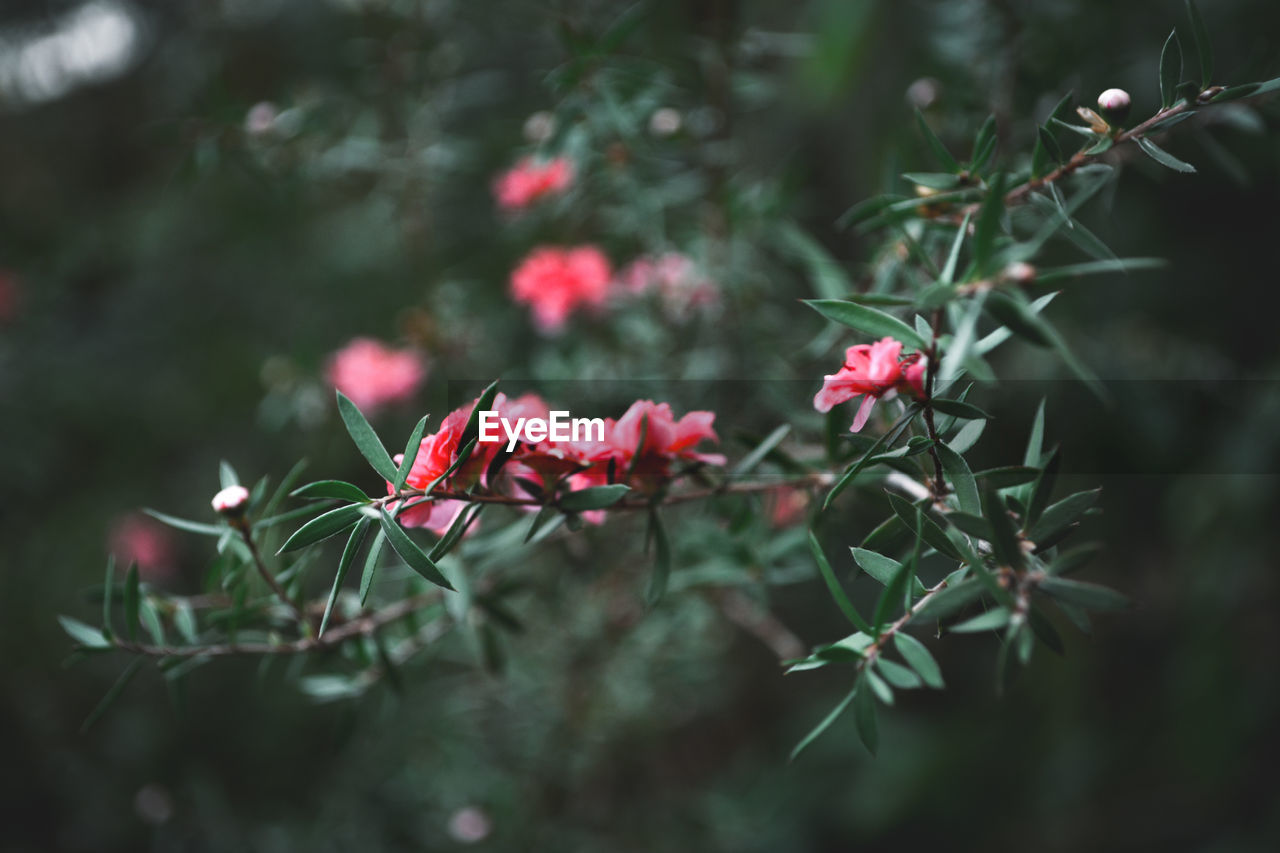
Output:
x,y
868,320
333,489
83,634
661,560
113,694
833,586
990,621
821,727
371,566
344,564
131,598
945,160
322,527
409,551
919,658
961,479
185,524
1090,596
864,715
1164,158
1170,70
596,497
366,440
411,448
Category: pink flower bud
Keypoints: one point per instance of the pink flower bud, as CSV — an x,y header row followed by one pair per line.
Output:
x,y
231,501
1114,104
1020,272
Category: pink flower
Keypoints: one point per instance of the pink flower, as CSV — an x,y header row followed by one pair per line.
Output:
x,y
437,452
555,281
870,371
676,279
138,539
530,181
666,441
374,375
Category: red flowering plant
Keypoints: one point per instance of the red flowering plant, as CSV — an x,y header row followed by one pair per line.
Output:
x,y
957,550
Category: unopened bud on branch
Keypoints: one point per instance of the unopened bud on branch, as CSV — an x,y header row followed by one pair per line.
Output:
x,y
1020,272
1114,104
231,501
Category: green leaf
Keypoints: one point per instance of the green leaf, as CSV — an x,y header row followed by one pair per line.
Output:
x,y
990,621
867,320
597,497
973,525
763,449
824,725
371,566
883,569
1204,49
108,595
933,180
950,600
348,555
984,145
919,658
962,480
1019,320
1004,539
113,694
1045,152
1073,559
338,489
1055,274
870,457
150,619
131,598
864,715
1090,596
1044,629
227,475
967,436
89,637
894,594
1041,490
959,409
461,522
948,275
924,526
1063,513
945,160
1008,476
1035,441
322,527
897,675
189,526
544,515
987,227
184,619
484,403
661,559
1234,93
1170,70
409,550
1164,158
411,448
833,586
366,440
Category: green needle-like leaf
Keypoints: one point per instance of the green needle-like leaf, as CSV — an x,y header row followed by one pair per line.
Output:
x,y
409,551
366,440
868,320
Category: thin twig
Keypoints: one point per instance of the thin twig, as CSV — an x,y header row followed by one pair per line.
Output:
x,y
246,534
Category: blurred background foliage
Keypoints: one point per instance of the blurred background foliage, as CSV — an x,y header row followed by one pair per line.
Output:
x,y
175,278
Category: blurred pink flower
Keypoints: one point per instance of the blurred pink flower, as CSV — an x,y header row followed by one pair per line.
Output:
x,y
529,181
787,506
139,539
374,375
679,283
870,371
556,281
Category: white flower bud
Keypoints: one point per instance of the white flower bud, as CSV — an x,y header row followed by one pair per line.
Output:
x,y
1114,104
1020,272
231,501
539,127
261,119
664,121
